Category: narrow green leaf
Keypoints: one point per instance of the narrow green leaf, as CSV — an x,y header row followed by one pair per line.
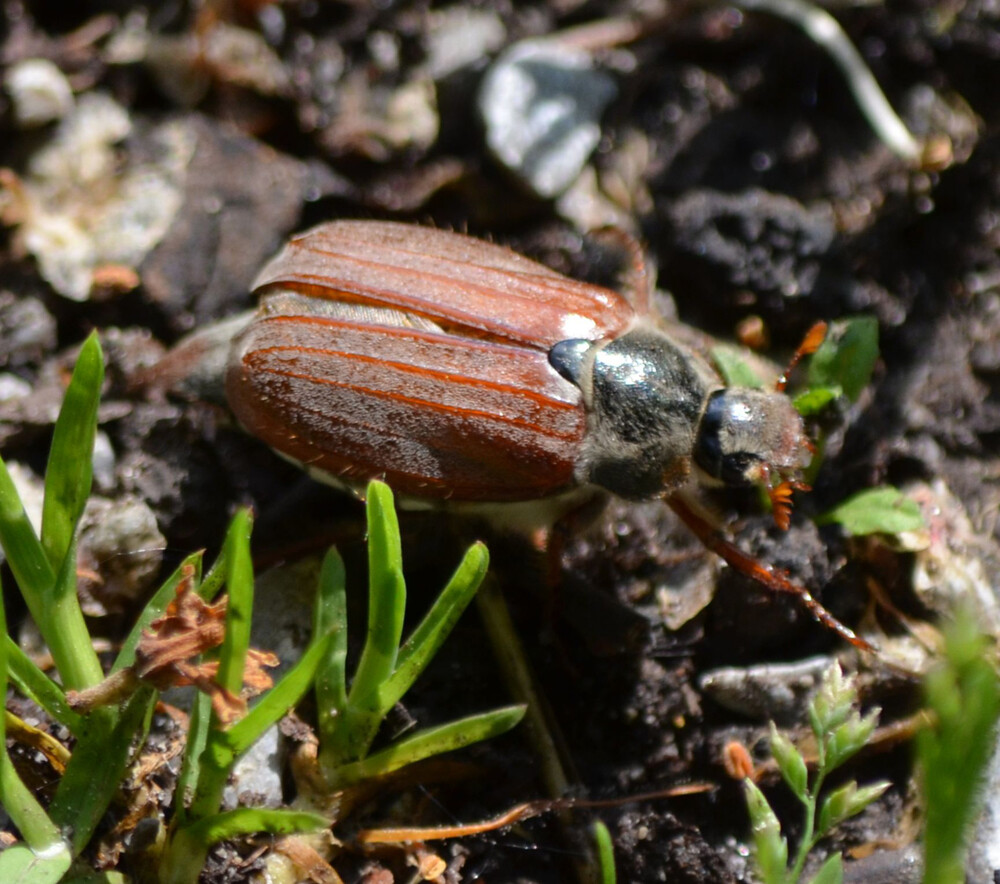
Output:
x,y
734,368
42,835
771,849
21,865
605,852
428,637
37,686
34,575
330,618
65,631
848,738
425,743
831,872
883,510
197,738
239,581
963,695
847,356
790,763
250,820
386,596
854,800
279,699
70,464
215,579
95,770
357,727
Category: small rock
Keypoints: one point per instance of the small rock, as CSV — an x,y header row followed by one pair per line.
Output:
x,y
103,463
542,103
86,203
13,387
239,200
282,615
39,92
777,692
459,37
31,490
27,330
256,776
122,545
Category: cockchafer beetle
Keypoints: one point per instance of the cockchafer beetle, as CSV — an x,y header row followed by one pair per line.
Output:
x,y
464,373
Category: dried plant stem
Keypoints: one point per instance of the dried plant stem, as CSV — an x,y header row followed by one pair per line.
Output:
x,y
825,31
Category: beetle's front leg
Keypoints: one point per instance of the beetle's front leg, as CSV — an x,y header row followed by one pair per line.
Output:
x,y
767,576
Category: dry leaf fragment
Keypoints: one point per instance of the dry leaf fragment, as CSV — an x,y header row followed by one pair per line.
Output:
x,y
165,657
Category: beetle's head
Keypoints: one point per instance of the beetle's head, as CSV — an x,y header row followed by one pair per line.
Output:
x,y
754,437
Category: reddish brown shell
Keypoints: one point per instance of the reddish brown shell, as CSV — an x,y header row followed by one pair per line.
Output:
x,y
461,404
475,288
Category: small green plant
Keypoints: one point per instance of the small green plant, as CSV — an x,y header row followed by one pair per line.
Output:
x,y
109,732
605,852
963,698
109,716
840,732
44,568
349,718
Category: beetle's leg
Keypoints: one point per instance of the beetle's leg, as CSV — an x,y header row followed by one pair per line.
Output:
x,y
635,283
195,368
763,574
810,344
780,496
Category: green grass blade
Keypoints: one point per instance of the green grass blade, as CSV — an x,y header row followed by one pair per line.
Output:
x,y
330,618
215,579
65,631
98,765
197,738
34,574
21,865
278,700
605,852
250,820
963,694
425,743
37,686
239,580
216,759
50,597
386,595
429,635
386,606
68,474
155,608
40,833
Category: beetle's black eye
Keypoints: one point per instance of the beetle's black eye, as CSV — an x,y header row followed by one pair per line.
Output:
x,y
736,468
708,447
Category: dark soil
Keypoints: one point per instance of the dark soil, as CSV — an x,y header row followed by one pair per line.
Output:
x,y
736,153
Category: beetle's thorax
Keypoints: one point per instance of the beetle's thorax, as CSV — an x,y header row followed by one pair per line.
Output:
x,y
644,396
